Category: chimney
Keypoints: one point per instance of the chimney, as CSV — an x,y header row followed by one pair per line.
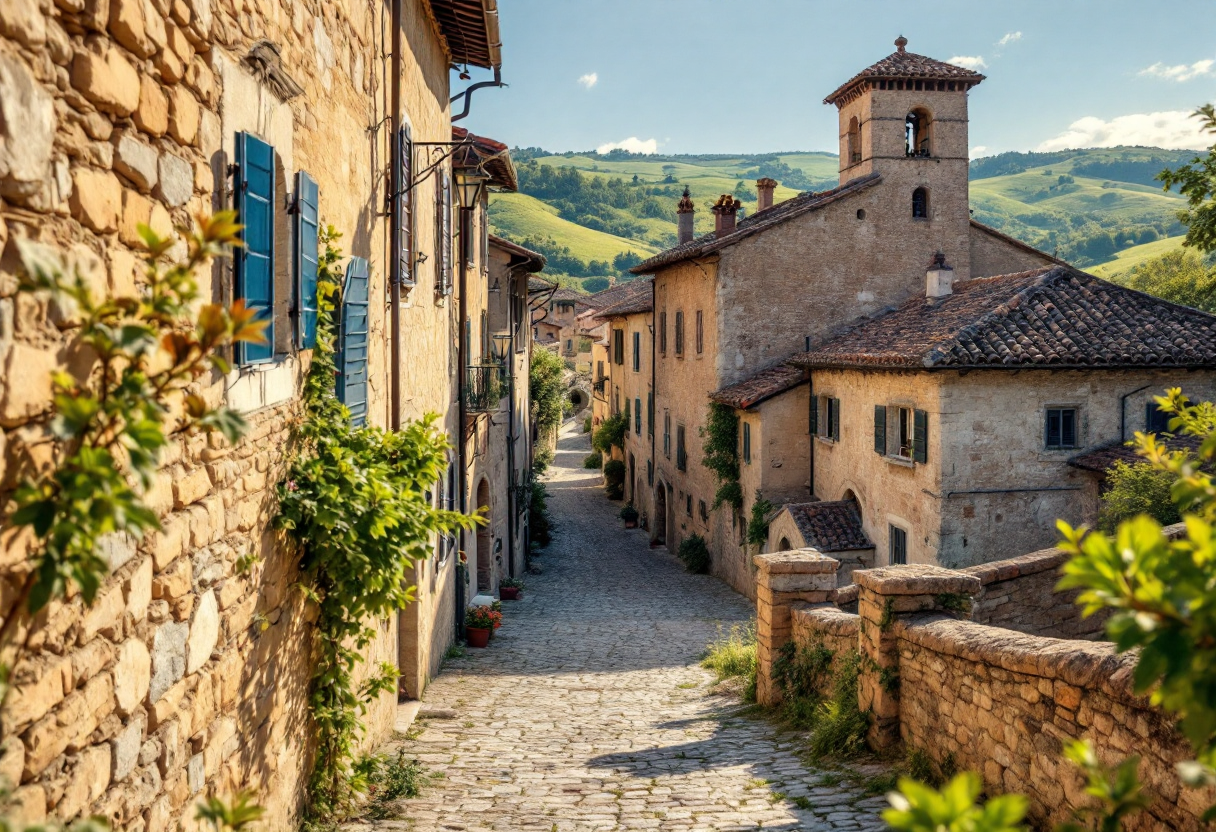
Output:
x,y
939,279
764,192
684,212
726,209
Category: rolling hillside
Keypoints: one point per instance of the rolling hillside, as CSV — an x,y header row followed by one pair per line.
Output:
x,y
1100,208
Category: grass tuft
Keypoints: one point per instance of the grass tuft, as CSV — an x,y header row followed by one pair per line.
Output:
x,y
733,656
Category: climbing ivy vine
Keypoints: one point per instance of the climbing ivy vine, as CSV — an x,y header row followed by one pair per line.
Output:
x,y
721,453
355,499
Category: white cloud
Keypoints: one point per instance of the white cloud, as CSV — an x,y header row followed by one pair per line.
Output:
x,y
975,62
1180,72
1173,129
1009,38
633,144
589,80
978,150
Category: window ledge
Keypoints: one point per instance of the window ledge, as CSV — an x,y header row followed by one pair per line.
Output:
x,y
826,440
899,461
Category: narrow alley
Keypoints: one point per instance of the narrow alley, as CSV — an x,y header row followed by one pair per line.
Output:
x,y
589,710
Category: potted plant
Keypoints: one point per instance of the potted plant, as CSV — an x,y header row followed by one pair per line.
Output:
x,y
510,588
630,515
479,622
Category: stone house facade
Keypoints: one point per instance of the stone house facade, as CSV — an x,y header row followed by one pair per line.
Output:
x,y
189,675
796,273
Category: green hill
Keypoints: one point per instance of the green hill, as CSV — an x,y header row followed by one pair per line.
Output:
x,y
585,210
1129,258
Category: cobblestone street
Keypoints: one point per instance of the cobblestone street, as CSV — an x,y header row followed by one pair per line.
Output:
x,y
589,711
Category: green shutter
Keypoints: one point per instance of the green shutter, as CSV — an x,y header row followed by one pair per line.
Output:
x,y
835,405
308,197
352,342
254,266
920,436
628,417
650,414
814,415
880,429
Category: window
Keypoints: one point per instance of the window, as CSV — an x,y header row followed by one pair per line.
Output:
x,y
618,346
466,237
898,544
650,413
352,342
703,510
570,346
679,333
920,204
627,415
663,332
443,234
916,133
901,432
254,261
599,371
405,207
1156,420
637,352
747,443
308,198
825,417
688,504
650,472
637,416
1061,427
700,334
853,142
681,453
666,434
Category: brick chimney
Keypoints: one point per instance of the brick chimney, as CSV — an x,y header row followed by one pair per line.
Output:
x,y
764,193
684,212
939,279
726,209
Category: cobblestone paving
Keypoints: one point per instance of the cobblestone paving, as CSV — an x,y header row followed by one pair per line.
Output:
x,y
589,712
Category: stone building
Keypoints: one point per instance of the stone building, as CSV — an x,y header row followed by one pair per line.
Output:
x,y
733,303
188,675
954,419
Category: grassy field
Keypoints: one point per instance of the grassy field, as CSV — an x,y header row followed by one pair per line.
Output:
x,y
519,215
1134,256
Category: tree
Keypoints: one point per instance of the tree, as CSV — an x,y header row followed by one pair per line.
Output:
x,y
626,260
1178,276
1137,489
547,388
1197,182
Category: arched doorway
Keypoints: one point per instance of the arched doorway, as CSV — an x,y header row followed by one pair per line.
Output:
x,y
783,545
485,574
660,515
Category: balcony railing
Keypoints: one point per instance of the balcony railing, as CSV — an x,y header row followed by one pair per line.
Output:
x,y
485,385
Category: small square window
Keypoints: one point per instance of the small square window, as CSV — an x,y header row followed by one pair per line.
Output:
x,y
1061,428
898,544
1156,420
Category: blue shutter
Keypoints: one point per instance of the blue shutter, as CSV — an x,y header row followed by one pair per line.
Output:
x,y
352,342
255,260
308,197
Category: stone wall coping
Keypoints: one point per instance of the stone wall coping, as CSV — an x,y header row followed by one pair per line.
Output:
x,y
1083,664
915,579
826,619
796,562
846,594
1031,563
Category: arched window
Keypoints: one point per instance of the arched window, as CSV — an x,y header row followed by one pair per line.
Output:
x,y
920,204
916,133
854,141
783,545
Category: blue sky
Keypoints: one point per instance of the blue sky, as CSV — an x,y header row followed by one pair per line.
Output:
x,y
724,76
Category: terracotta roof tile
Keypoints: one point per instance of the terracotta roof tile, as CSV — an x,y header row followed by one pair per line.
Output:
x,y
754,224
830,526
637,296
907,65
1105,456
492,155
765,384
1050,317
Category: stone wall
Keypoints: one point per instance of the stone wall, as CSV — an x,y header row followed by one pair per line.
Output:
x,y
189,675
991,254
1019,594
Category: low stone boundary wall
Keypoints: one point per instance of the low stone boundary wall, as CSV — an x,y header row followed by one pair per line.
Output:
x,y
1019,594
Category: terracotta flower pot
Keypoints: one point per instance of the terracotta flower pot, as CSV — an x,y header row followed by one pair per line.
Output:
x,y
631,524
477,636
509,593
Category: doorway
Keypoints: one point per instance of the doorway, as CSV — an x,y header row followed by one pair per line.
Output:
x,y
660,515
485,574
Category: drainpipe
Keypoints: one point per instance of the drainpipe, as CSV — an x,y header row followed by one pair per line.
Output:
x,y
652,416
467,95
510,361
462,373
394,225
1123,411
810,391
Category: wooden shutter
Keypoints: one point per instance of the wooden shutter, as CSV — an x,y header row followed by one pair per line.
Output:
x,y
637,416
308,197
834,404
814,415
443,234
880,429
405,207
650,414
352,342
920,436
628,416
255,202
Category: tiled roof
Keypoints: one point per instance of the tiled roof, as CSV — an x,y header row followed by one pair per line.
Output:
x,y
540,284
579,298
907,65
1054,317
754,224
763,385
535,260
638,296
1105,456
830,526
493,156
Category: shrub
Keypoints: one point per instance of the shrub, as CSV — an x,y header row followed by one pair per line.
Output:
x,y
539,523
695,554
587,425
629,514
733,656
611,434
1137,489
542,458
840,726
757,527
547,390
593,460
721,453
614,479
